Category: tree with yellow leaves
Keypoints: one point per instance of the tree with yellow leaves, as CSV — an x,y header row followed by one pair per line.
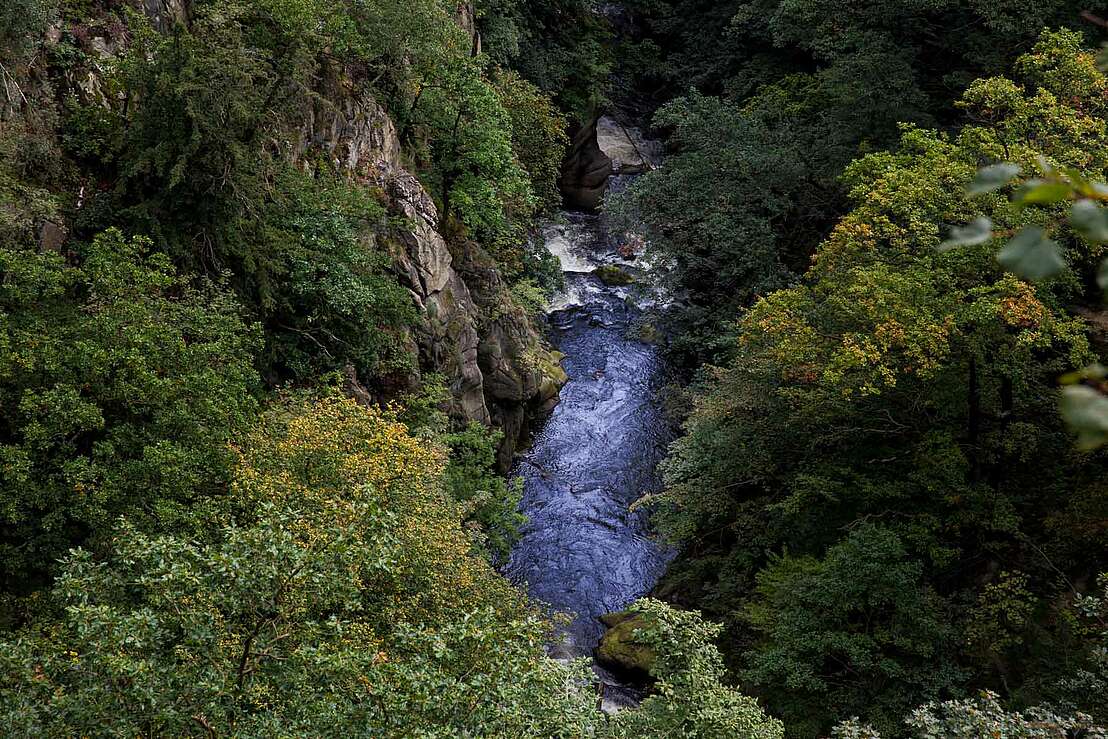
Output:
x,y
336,588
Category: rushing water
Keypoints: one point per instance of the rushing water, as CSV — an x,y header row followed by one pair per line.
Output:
x,y
583,551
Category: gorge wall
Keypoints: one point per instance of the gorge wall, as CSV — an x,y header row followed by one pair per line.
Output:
x,y
470,331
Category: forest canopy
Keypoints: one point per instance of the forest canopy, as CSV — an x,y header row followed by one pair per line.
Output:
x,y
272,294
876,489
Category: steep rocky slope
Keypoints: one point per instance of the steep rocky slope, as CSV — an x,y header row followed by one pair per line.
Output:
x,y
470,330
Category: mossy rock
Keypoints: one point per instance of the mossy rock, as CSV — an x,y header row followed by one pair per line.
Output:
x,y
621,651
552,367
647,333
612,275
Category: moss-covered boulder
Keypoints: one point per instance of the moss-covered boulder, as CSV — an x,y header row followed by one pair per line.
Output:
x,y
622,649
612,275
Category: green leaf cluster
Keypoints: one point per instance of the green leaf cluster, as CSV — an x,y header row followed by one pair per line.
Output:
x,y
334,590
121,385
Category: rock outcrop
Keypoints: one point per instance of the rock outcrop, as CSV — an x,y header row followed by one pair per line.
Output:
x,y
600,148
622,649
465,16
353,129
628,152
521,376
164,14
471,331
586,169
447,334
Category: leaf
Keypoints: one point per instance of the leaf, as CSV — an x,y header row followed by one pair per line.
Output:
x,y
1102,275
1092,372
1086,412
1043,192
993,177
1031,255
1089,220
979,231
1078,182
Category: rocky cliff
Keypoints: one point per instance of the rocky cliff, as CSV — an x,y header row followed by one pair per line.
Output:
x,y
470,331
586,170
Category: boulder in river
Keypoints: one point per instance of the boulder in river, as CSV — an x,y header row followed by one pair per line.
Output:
x,y
622,648
629,153
613,276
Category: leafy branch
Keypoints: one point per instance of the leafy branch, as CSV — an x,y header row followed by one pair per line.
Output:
x,y
1032,255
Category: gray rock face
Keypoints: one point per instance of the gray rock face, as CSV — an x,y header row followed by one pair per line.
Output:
x,y
447,339
521,376
466,17
472,332
428,257
356,131
629,151
601,148
164,14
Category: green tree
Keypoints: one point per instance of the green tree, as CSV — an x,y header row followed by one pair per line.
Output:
x,y
538,134
335,302
801,88
983,716
201,136
856,633
562,46
916,387
478,178
711,212
472,479
690,699
22,24
336,592
121,386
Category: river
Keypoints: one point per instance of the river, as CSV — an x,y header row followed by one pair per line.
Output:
x,y
583,551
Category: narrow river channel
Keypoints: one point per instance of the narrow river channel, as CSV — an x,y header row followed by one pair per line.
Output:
x,y
583,551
